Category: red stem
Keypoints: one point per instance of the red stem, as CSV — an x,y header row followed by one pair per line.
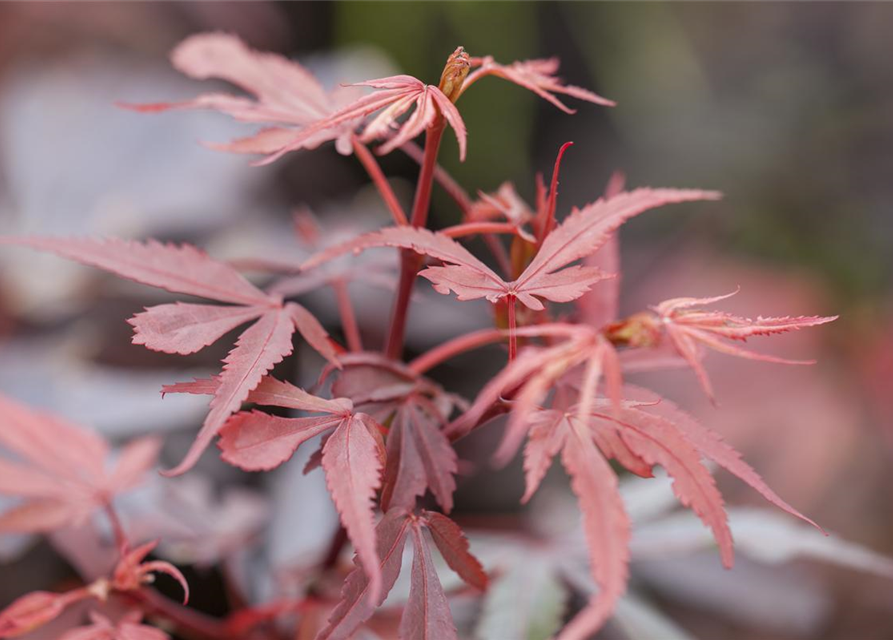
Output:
x,y
548,214
189,622
460,196
384,187
454,347
513,337
409,260
444,179
121,540
348,317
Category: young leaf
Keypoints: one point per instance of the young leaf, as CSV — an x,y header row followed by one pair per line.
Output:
x,y
537,76
396,95
688,329
547,276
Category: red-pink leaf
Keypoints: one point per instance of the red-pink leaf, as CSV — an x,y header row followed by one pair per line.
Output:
x,y
280,85
356,604
270,392
128,628
312,331
585,231
134,462
656,441
198,386
427,612
537,76
483,281
42,515
257,441
453,546
581,234
352,460
419,457
606,526
179,269
546,438
690,329
62,471
261,346
186,328
34,610
711,445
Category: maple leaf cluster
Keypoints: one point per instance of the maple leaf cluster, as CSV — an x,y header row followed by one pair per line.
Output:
x,y
383,431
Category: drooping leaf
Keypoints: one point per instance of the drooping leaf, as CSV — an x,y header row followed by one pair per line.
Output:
x,y
356,604
711,445
352,460
546,438
657,442
427,612
420,457
606,526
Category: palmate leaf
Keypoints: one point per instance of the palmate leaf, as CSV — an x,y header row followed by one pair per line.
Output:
x,y
62,472
286,94
689,329
352,457
427,613
175,268
547,276
420,457
187,328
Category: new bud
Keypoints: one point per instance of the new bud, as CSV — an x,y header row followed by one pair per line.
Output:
x,y
454,73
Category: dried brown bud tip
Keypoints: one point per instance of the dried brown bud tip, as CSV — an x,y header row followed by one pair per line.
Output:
x,y
454,73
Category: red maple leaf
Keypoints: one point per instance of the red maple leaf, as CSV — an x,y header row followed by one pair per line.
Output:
x,y
186,328
64,474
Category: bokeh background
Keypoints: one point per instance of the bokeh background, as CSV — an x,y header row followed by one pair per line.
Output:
x,y
785,107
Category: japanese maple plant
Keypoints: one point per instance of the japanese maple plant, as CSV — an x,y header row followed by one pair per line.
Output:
x,y
384,431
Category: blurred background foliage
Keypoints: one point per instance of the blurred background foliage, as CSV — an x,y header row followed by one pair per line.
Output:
x,y
785,107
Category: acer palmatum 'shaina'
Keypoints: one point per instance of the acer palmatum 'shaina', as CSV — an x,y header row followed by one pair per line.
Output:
x,y
383,431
